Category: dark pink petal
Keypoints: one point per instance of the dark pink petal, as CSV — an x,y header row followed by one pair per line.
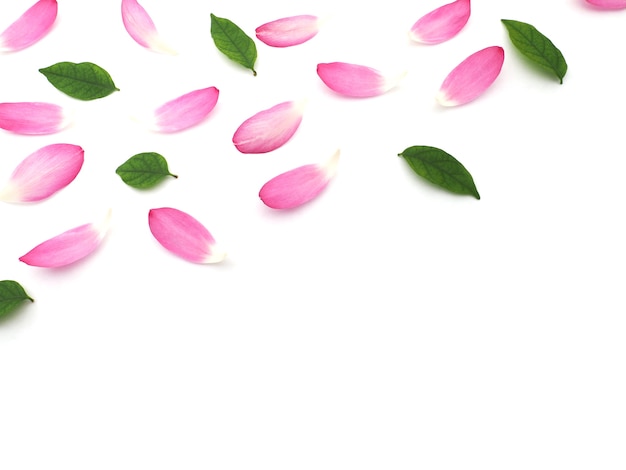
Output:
x,y
471,77
184,236
68,247
608,4
295,187
353,80
30,27
43,173
269,129
141,27
289,31
442,23
32,118
185,111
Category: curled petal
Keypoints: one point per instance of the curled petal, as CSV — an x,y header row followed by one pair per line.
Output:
x,y
141,27
43,173
441,24
471,77
269,129
356,81
30,27
608,4
69,246
289,31
184,236
32,118
185,111
295,187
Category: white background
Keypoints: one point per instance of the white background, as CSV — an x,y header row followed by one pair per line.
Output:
x,y
386,325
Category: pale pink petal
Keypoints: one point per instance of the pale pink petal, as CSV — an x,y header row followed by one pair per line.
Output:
x,y
30,27
442,23
471,77
69,246
357,81
32,118
141,27
608,4
185,111
295,187
184,236
269,129
43,173
289,31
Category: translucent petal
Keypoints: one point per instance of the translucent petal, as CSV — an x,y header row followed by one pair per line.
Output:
x,y
441,24
357,81
141,28
33,118
29,28
185,111
289,31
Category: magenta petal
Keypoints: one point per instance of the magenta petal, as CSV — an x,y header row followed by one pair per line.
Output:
x,y
356,81
295,187
141,27
269,129
442,23
30,27
471,77
185,111
184,236
289,31
43,173
32,118
608,4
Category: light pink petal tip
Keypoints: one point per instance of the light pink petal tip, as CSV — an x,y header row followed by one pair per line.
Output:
x,y
184,236
295,187
442,23
141,27
33,118
185,111
69,246
289,31
269,129
43,173
608,4
29,28
471,77
357,81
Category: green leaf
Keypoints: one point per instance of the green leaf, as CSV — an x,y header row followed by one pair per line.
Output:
x,y
84,81
233,42
144,170
536,47
11,296
440,168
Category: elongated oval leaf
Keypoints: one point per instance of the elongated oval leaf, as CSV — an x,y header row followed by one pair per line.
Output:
x,y
12,294
440,168
233,42
536,47
144,170
84,81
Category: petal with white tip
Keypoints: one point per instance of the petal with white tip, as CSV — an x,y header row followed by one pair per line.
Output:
x,y
356,81
289,31
29,28
141,28
441,24
185,111
33,118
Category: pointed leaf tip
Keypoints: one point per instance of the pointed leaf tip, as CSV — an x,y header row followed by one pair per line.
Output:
x,y
33,118
441,24
12,294
231,41
290,31
185,111
29,28
144,170
356,81
141,28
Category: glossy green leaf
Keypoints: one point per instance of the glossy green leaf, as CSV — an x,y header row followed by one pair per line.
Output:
x,y
440,168
84,81
144,170
12,294
233,42
536,47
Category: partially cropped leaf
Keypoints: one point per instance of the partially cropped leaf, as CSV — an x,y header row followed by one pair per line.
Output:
x,y
84,81
12,294
233,42
536,47
144,170
440,168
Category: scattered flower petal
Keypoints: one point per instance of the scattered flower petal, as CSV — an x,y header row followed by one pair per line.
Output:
x,y
608,4
141,27
43,173
32,118
357,81
289,31
295,187
68,247
29,28
471,77
185,111
184,236
442,23
269,129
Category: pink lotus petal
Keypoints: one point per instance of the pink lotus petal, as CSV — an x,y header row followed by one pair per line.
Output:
x,y
608,4
185,111
184,236
295,187
30,27
69,246
471,77
269,129
357,81
43,173
289,31
141,27
442,23
32,118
